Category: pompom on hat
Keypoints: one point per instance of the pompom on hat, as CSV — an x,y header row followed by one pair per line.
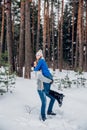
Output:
x,y
39,53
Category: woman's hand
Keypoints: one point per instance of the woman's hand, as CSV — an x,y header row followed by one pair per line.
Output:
x,y
35,63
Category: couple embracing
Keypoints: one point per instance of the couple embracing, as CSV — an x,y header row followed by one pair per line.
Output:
x,y
44,81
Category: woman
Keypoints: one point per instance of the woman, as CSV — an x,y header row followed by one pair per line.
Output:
x,y
45,91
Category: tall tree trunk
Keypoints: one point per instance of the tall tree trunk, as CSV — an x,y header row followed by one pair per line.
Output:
x,y
2,30
44,29
80,15
79,52
58,45
53,46
33,46
76,51
28,50
13,15
77,44
2,27
22,39
38,26
48,34
0,33
10,42
86,40
73,15
61,38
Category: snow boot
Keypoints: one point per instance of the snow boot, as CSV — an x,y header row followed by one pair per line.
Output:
x,y
57,96
51,113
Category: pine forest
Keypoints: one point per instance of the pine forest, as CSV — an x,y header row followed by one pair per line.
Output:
x,y
58,27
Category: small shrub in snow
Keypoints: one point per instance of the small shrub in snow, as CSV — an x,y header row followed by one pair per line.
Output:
x,y
66,82
80,80
7,80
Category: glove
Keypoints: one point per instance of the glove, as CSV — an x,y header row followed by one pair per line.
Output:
x,y
51,81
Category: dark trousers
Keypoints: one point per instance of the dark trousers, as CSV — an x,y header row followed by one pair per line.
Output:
x,y
55,94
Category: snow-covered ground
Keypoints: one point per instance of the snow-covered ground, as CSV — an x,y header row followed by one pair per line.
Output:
x,y
20,110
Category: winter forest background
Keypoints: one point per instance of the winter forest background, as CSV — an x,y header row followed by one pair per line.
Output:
x,y
58,27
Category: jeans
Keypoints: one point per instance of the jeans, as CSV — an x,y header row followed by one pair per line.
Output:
x,y
43,94
52,99
43,103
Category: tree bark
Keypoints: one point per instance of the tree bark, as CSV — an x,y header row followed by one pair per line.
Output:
x,y
80,37
61,38
44,29
86,40
58,45
53,46
2,31
38,26
28,49
10,42
48,34
22,40
80,15
73,15
2,27
33,31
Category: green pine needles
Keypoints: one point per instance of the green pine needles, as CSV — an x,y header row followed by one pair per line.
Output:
x,y
7,80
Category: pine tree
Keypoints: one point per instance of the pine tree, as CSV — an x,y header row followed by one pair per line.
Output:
x,y
22,39
10,41
28,49
38,26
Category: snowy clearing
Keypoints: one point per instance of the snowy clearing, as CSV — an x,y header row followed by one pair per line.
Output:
x,y
21,109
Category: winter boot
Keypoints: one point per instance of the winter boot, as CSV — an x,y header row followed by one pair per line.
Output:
x,y
57,96
51,113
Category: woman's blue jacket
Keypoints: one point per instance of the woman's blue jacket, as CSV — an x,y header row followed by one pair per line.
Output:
x,y
42,65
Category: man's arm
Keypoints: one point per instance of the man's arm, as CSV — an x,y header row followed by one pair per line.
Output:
x,y
43,78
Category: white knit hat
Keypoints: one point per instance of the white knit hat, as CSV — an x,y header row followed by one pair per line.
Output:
x,y
39,53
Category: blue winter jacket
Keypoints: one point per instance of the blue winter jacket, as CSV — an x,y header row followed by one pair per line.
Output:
x,y
42,65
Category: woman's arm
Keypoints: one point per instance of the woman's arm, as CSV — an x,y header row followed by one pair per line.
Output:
x,y
38,66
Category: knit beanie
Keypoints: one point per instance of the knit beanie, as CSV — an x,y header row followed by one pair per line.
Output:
x,y
39,53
